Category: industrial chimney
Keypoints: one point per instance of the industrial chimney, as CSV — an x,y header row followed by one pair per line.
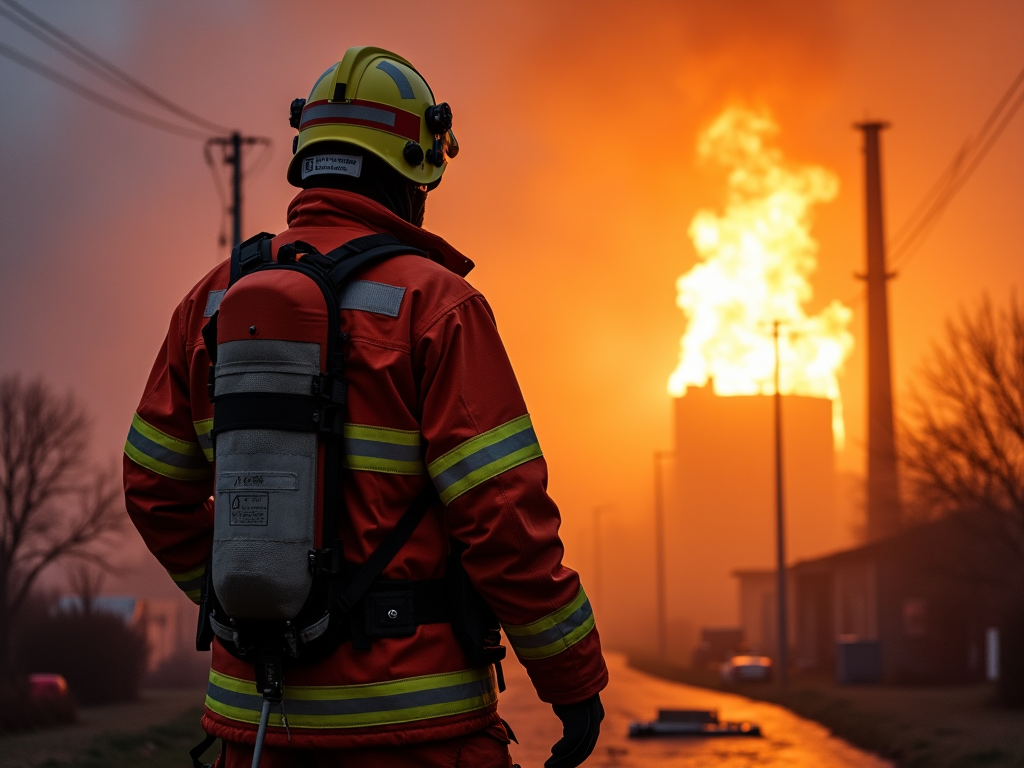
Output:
x,y
883,505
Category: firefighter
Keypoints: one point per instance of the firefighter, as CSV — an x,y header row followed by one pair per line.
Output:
x,y
432,400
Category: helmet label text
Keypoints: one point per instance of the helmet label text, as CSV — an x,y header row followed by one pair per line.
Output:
x,y
342,165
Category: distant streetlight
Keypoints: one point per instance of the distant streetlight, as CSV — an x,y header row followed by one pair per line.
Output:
x,y
780,526
659,554
598,580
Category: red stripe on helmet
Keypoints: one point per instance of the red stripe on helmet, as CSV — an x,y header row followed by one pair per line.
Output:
x,y
406,124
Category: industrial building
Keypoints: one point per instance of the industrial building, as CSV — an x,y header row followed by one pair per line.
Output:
x,y
721,500
926,601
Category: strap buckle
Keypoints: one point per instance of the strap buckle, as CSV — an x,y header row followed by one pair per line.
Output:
x,y
325,562
333,389
253,252
330,420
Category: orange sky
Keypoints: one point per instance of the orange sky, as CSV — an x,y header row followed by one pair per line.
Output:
x,y
573,191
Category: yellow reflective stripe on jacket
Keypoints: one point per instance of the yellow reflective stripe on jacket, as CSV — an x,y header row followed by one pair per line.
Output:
x,y
354,706
178,459
380,449
483,457
204,432
190,582
555,633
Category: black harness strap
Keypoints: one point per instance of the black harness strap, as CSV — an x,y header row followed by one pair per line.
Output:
x,y
274,410
249,255
343,262
197,751
385,553
266,410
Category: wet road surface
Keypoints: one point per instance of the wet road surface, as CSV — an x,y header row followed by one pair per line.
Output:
x,y
788,741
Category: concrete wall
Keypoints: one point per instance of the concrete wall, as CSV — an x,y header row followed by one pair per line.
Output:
x,y
721,511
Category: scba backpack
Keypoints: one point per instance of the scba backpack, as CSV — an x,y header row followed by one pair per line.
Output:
x,y
277,590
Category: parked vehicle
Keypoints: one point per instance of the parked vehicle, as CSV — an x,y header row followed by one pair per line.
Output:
x,y
747,669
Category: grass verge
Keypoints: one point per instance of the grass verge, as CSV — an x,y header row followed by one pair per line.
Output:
x,y
919,727
161,746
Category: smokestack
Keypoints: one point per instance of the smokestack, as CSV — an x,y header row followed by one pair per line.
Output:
x,y
883,508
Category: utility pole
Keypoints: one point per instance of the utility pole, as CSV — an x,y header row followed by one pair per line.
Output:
x,y
883,507
236,188
235,142
780,527
659,554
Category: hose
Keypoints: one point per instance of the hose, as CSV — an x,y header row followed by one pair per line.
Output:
x,y
261,734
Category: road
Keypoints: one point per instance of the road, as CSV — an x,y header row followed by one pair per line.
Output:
x,y
788,741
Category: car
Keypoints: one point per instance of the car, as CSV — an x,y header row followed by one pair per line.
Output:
x,y
47,686
746,669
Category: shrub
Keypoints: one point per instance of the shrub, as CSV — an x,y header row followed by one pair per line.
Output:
x,y
101,657
1010,688
19,712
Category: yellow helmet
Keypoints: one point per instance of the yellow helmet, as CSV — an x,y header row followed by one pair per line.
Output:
x,y
375,100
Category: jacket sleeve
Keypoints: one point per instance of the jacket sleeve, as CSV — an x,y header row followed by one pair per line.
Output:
x,y
486,463
167,478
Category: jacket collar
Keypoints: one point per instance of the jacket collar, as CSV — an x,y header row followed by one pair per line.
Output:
x,y
333,208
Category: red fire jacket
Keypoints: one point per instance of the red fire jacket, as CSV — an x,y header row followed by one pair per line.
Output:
x,y
433,398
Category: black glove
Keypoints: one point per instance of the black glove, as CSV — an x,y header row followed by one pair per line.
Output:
x,y
581,724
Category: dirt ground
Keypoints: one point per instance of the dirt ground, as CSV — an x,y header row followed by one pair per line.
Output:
x,y
59,745
158,731
931,727
789,741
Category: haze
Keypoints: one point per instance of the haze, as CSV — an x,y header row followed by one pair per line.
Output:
x,y
573,192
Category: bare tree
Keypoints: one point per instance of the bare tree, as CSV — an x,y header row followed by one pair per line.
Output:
x,y
53,505
963,443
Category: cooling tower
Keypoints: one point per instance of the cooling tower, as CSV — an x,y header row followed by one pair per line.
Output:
x,y
722,511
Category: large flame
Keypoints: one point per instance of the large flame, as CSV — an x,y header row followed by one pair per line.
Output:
x,y
755,262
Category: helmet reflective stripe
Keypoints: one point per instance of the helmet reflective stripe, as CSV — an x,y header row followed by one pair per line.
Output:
x,y
554,633
327,72
483,457
404,86
354,706
368,113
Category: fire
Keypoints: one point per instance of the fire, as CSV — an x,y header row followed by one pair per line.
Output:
x,y
756,259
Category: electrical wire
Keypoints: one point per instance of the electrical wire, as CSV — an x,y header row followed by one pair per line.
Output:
x,y
97,98
89,59
911,235
116,77
262,160
65,50
964,164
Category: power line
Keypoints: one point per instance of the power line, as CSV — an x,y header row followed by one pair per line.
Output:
x,y
97,98
904,245
956,175
65,50
89,59
114,76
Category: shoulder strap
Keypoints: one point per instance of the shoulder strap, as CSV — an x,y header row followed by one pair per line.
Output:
x,y
374,566
250,254
357,254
